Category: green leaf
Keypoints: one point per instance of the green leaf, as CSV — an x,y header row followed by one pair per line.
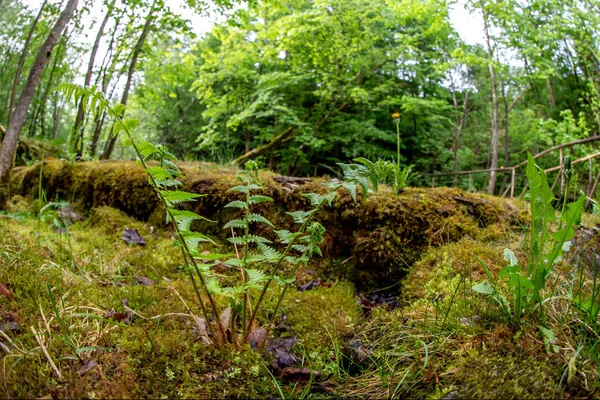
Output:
x,y
509,256
256,199
147,149
300,216
351,188
174,197
259,218
484,288
286,236
269,253
250,239
236,223
236,204
184,218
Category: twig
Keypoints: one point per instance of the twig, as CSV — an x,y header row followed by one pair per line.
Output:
x,y
35,335
191,313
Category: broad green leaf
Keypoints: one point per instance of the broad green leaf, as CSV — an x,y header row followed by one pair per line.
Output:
x,y
509,256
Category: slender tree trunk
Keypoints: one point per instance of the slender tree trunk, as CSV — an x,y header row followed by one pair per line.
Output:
x,y
56,117
41,110
110,144
13,130
106,72
13,94
460,124
551,98
78,130
494,111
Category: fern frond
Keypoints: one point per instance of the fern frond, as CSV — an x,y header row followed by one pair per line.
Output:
x,y
241,240
236,204
269,253
174,197
256,199
300,216
286,236
235,223
259,218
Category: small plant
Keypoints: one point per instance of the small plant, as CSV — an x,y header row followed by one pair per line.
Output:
x,y
546,247
260,262
384,172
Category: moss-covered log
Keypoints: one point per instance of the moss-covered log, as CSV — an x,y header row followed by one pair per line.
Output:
x,y
371,240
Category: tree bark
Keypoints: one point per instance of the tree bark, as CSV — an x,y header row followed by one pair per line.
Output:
x,y
13,130
104,76
78,126
458,130
494,111
110,144
13,94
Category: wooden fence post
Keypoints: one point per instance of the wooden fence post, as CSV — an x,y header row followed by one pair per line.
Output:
x,y
562,176
513,176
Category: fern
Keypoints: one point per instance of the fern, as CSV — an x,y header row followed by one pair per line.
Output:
x,y
260,260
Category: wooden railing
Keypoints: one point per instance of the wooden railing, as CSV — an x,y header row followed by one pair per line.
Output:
x,y
592,182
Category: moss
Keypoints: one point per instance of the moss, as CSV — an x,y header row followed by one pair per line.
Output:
x,y
382,235
491,376
439,265
18,204
157,355
314,314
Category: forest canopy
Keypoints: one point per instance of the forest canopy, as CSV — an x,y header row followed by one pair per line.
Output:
x,y
299,85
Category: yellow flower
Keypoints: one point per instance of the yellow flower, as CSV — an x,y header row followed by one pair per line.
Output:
x,y
396,115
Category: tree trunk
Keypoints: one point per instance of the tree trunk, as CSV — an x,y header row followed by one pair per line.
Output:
x,y
458,130
77,137
494,113
13,94
104,76
13,130
110,144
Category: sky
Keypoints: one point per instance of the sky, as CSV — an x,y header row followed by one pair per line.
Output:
x,y
469,26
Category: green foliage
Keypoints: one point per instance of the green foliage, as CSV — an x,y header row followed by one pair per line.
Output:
x,y
375,173
547,245
260,261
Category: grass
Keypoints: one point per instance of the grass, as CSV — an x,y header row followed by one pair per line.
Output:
x,y
444,339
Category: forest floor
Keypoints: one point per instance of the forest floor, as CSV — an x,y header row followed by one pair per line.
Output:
x,y
87,310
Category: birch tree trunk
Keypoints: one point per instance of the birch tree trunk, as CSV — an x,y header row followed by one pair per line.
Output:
x,y
494,111
110,144
78,126
13,93
13,130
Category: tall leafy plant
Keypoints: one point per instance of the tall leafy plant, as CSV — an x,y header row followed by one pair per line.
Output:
x,y
260,261
550,238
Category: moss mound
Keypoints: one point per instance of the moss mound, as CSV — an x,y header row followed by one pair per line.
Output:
x,y
377,238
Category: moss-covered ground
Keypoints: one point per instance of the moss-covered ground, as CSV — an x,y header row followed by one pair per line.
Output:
x,y
84,314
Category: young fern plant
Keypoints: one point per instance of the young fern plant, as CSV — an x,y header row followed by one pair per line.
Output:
x,y
163,177
260,261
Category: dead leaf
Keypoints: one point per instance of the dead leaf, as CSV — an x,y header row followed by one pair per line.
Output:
x,y
283,357
67,214
310,285
132,236
142,280
10,326
321,388
125,317
5,292
257,335
201,328
297,374
91,364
